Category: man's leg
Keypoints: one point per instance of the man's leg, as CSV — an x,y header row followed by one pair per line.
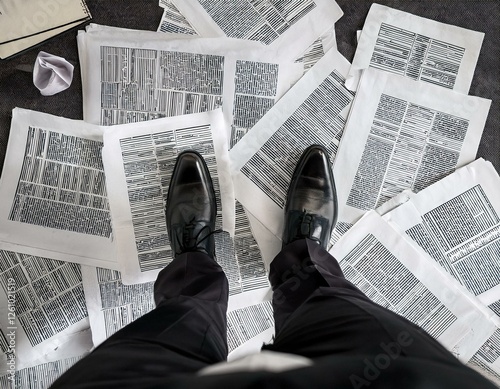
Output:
x,y
187,329
184,333
319,313
295,278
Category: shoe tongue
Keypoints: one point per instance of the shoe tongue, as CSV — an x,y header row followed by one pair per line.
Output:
x,y
305,226
190,241
193,234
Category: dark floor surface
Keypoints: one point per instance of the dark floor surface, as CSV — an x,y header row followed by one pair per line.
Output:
x,y
17,89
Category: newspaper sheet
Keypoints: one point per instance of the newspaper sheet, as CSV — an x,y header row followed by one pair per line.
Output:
x,y
318,48
394,274
112,305
417,48
54,201
40,376
27,23
173,21
288,27
139,160
402,134
456,221
313,111
241,257
487,358
141,76
42,308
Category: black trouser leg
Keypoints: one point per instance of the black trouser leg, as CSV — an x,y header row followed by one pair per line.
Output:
x,y
184,333
319,313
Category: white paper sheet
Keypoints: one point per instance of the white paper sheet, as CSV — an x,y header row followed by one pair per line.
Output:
x,y
456,221
140,75
415,47
313,111
42,308
248,328
111,304
173,21
388,269
241,257
139,159
402,134
487,360
53,190
269,244
318,48
289,29
40,376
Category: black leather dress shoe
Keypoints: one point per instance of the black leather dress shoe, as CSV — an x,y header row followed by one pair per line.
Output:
x,y
191,208
311,206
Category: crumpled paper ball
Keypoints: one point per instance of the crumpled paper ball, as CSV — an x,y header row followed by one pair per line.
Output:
x,y
52,74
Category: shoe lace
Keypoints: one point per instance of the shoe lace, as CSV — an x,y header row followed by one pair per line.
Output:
x,y
304,231
188,242
305,223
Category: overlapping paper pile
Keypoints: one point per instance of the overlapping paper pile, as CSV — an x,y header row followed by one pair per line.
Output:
x,y
83,230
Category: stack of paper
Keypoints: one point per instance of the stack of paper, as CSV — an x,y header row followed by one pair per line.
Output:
x,y
265,24
82,225
28,23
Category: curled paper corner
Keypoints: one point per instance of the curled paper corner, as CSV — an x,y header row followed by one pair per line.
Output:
x,y
52,74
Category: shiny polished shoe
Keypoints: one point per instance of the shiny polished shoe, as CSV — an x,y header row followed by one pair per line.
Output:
x,y
311,206
191,207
